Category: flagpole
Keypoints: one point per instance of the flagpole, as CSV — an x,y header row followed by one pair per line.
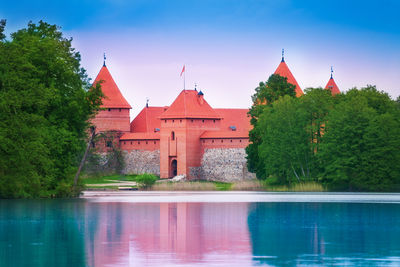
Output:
x,y
184,79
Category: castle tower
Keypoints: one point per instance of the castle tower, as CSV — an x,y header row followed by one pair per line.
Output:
x,y
115,115
331,85
284,71
182,124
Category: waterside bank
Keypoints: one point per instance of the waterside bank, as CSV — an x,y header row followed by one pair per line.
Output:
x,y
238,196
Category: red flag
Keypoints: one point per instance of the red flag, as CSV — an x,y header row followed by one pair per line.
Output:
x,y
183,70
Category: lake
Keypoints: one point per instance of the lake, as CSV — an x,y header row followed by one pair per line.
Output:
x,y
202,229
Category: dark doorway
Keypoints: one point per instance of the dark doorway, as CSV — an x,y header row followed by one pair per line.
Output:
x,y
174,168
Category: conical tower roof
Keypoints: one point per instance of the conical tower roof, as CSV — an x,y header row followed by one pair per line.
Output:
x,y
331,85
284,71
190,104
113,96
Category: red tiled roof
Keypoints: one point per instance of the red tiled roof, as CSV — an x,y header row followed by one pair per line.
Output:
x,y
141,136
113,97
331,85
284,71
225,134
234,117
189,104
147,120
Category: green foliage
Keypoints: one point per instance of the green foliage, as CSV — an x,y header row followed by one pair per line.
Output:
x,y
222,186
2,26
285,150
146,180
110,161
348,142
266,93
360,149
45,104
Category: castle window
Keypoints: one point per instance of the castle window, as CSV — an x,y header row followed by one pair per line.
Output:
x,y
204,141
165,121
108,144
131,142
124,143
214,121
172,136
109,109
173,121
180,121
240,140
231,140
222,141
119,110
191,120
146,142
203,121
138,142
155,142
212,141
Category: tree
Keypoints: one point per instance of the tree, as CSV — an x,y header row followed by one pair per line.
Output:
x,y
360,149
285,148
45,104
266,94
2,26
316,103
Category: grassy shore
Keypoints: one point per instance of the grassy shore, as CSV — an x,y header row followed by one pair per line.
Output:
x,y
167,185
107,179
253,185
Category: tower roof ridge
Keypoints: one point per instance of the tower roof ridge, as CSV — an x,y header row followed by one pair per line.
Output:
x,y
284,71
113,97
188,105
331,85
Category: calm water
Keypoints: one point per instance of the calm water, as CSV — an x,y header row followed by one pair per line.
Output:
x,y
119,231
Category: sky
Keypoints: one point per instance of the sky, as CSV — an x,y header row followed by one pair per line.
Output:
x,y
227,46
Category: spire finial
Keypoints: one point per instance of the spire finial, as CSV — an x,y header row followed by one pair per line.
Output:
x,y
147,102
104,57
331,72
195,86
283,55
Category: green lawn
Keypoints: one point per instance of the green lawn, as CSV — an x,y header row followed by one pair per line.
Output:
x,y
108,179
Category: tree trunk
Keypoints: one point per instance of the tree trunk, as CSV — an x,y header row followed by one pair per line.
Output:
x,y
93,129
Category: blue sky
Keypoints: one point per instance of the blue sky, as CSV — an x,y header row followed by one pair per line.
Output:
x,y
227,46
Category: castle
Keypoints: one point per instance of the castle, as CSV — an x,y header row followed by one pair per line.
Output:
x,y
188,138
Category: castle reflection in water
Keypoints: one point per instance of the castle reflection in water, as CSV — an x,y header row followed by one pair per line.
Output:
x,y
241,234
88,233
170,232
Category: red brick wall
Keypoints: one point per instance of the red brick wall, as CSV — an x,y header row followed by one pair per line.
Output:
x,y
149,145
112,119
172,149
186,145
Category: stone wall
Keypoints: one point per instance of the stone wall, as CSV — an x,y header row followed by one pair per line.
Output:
x,y
223,164
142,161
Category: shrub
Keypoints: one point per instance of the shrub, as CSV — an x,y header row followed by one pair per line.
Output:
x,y
146,180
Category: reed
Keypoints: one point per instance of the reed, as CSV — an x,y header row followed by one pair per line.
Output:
x,y
184,186
250,185
300,187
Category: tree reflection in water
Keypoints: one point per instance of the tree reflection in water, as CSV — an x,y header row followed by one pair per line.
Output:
x,y
85,233
325,233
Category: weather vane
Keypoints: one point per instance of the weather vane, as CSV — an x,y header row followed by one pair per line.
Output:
x,y
195,86
283,54
331,72
104,62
